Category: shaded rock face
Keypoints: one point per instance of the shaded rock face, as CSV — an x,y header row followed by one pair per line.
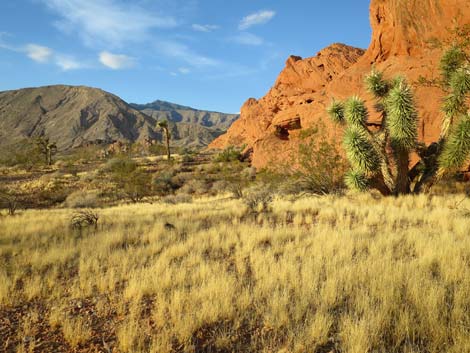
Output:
x,y
405,33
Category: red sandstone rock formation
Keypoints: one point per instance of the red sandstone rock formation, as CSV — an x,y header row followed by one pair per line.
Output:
x,y
404,40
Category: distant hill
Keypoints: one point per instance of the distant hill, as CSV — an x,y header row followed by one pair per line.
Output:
x,y
191,127
75,115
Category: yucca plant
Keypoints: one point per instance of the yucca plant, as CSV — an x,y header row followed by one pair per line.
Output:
x,y
46,148
165,126
380,158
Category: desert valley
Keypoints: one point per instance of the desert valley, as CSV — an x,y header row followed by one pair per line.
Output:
x,y
332,215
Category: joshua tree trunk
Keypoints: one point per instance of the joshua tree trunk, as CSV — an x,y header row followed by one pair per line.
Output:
x,y
167,138
402,185
166,130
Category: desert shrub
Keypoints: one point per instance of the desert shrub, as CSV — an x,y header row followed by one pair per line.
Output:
x,y
46,197
164,183
176,199
236,176
320,165
137,185
188,155
68,167
230,154
129,180
119,166
258,198
84,218
82,154
195,187
220,187
82,199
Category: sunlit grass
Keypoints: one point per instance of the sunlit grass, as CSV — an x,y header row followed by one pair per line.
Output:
x,y
348,274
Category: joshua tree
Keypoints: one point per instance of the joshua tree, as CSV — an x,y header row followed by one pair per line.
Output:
x,y
163,124
381,159
46,148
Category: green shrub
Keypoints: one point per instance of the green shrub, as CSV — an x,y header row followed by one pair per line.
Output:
x,y
120,166
230,154
137,185
319,166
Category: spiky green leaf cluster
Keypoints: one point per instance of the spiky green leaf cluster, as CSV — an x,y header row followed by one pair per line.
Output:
x,y
336,112
454,103
460,81
355,112
360,151
163,124
356,181
457,149
402,116
376,84
451,61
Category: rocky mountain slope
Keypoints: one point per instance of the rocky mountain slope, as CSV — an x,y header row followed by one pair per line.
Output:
x,y
74,116
405,34
190,127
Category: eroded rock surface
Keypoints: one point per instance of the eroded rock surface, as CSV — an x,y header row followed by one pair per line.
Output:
x,y
407,39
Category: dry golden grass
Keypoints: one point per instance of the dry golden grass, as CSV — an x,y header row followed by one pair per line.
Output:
x,y
347,274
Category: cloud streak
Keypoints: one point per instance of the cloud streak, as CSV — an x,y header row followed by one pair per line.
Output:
x,y
248,39
116,61
204,28
257,18
68,63
107,22
45,55
186,54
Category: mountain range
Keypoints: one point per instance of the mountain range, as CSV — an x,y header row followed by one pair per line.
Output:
x,y
73,116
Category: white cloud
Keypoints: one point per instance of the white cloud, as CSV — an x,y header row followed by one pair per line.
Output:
x,y
248,39
67,63
116,61
38,53
45,55
204,28
107,22
257,18
184,53
184,70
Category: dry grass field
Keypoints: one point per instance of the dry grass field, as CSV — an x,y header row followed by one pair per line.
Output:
x,y
350,274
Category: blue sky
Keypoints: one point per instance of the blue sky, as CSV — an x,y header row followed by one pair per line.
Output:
x,y
209,54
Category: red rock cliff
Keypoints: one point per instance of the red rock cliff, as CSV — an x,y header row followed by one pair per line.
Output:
x,y
403,41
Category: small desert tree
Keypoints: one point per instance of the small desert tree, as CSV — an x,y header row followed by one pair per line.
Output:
x,y
47,148
9,200
381,159
163,124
